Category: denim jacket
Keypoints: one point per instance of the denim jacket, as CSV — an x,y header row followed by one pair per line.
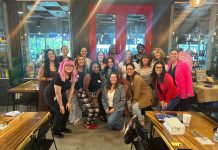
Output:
x,y
119,98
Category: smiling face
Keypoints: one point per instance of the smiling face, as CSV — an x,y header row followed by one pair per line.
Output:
x,y
68,68
110,63
83,52
140,49
158,69
145,61
174,55
128,55
96,68
65,50
113,78
130,70
80,61
100,56
113,50
51,56
157,55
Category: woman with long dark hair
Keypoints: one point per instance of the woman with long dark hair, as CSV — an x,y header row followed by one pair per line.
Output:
x,y
110,67
56,98
141,93
100,58
46,73
182,79
113,100
163,83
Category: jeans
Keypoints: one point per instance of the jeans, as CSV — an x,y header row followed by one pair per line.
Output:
x,y
172,105
115,120
137,111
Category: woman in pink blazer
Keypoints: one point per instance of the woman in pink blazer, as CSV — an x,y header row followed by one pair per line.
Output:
x,y
182,79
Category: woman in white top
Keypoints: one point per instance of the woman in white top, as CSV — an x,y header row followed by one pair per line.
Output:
x,y
145,68
84,53
113,100
122,65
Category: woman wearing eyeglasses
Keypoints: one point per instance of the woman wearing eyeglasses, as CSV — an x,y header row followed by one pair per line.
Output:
x,y
141,93
167,92
56,98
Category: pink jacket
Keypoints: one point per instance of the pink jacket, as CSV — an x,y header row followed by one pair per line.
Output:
x,y
183,79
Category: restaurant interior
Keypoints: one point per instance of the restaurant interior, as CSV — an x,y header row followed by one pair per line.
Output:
x,y
28,27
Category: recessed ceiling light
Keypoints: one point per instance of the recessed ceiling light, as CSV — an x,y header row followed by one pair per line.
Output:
x,y
20,12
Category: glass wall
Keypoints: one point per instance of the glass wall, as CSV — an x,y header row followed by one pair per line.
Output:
x,y
47,27
191,29
105,32
136,29
3,46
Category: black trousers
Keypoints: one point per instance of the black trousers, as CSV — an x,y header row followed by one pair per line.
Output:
x,y
183,105
59,120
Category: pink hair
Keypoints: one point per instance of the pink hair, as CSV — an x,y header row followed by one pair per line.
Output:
x,y
62,72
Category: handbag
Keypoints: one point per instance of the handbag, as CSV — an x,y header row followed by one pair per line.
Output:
x,y
129,135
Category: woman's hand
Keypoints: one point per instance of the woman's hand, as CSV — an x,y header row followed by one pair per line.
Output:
x,y
107,111
62,110
163,104
68,106
189,95
112,110
95,101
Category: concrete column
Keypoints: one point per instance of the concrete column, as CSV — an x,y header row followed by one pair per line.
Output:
x,y
212,26
171,27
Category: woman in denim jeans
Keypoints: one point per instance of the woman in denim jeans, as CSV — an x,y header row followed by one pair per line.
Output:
x,y
141,92
113,100
165,88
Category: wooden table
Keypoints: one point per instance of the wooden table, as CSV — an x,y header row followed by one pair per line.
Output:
x,y
199,123
19,130
27,87
206,94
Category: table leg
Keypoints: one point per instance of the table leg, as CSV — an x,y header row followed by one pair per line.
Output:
x,y
151,131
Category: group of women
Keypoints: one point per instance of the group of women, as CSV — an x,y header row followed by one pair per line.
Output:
x,y
112,86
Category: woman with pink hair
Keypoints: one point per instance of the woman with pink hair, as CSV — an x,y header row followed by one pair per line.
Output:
x,y
56,98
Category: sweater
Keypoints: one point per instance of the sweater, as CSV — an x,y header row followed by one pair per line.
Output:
x,y
168,88
183,79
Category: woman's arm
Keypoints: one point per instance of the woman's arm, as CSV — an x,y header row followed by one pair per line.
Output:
x,y
70,95
41,74
122,97
86,85
59,97
103,98
137,88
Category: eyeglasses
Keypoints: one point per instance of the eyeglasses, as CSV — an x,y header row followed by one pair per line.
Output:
x,y
130,69
69,66
158,68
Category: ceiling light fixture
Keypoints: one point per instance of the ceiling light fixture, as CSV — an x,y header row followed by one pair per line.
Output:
x,y
197,3
38,24
20,12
